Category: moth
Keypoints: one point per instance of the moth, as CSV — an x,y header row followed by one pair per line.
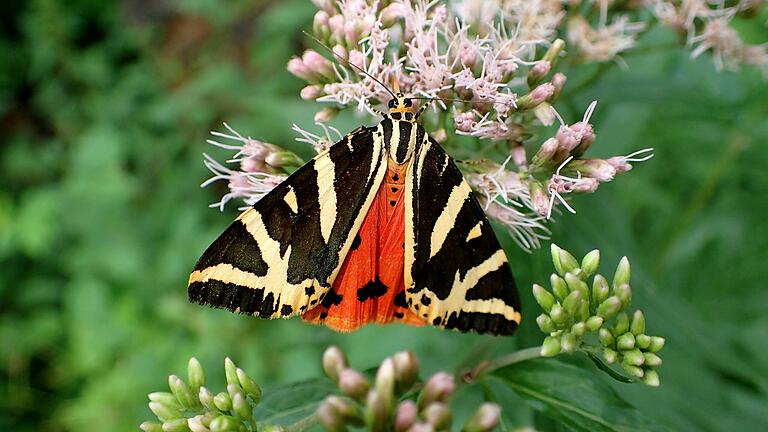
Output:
x,y
379,228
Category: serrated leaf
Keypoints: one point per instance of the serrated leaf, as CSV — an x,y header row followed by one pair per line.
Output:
x,y
575,397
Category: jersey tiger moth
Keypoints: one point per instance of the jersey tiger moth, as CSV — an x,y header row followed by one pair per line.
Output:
x,y
379,228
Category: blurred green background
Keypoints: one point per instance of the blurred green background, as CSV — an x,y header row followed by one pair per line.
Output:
x,y
104,112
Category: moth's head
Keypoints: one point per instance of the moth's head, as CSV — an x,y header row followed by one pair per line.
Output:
x,y
400,107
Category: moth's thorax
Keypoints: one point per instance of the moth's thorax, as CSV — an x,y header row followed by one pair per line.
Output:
x,y
401,138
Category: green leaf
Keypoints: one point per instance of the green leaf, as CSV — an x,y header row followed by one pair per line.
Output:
x,y
573,396
288,404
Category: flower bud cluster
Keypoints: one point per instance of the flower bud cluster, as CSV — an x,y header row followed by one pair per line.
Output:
x,y
190,406
575,310
380,404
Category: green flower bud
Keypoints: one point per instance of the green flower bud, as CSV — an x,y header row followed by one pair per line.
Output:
x,y
406,415
196,374
559,316
622,324
637,327
651,378
223,401
591,262
643,341
550,347
182,392
559,287
583,312
438,415
543,297
635,371
272,428
385,382
609,308
230,371
353,384
486,419
624,293
651,359
330,418
657,343
553,52
376,414
151,427
234,389
198,424
176,425
621,277
625,342
579,329
600,290
610,355
606,338
572,302
545,323
576,284
633,357
225,424
406,370
568,262
594,323
555,251
206,398
283,158
240,406
568,342
164,412
334,361
165,398
249,386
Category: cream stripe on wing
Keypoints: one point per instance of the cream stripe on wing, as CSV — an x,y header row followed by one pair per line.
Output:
x,y
447,218
290,199
326,174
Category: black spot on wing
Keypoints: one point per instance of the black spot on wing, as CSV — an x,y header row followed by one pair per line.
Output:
x,y
400,300
371,290
286,310
309,291
237,247
331,299
399,315
356,242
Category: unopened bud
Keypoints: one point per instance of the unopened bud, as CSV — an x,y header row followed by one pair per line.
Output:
x,y
486,419
633,357
609,308
545,114
568,342
643,341
559,316
330,418
353,384
545,323
182,392
438,388
606,338
546,152
635,371
311,92
591,262
164,398
206,398
240,406
657,343
326,114
151,427
543,297
594,168
390,14
563,260
651,378
334,361
196,424
576,284
438,415
406,415
594,323
625,341
406,370
621,325
622,275
385,382
550,347
651,359
610,355
230,371
579,329
571,303
176,425
223,401
539,197
195,373
558,80
164,412
249,385
624,293
637,326
376,413
538,72
559,287
225,424
540,94
553,53
600,290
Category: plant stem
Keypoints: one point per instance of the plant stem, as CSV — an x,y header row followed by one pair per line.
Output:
x,y
509,359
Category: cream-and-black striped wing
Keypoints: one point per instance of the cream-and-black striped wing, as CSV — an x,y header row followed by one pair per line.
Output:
x,y
456,274
280,257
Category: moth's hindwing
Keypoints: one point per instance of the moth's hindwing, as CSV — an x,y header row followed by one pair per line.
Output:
x,y
456,273
280,257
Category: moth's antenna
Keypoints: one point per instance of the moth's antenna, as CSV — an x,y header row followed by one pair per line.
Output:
x,y
456,100
349,64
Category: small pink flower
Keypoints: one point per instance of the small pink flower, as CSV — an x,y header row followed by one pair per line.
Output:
x,y
311,92
465,121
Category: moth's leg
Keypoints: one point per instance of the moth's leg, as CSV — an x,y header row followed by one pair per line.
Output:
x,y
423,108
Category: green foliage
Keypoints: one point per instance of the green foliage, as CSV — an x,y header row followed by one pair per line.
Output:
x,y
105,108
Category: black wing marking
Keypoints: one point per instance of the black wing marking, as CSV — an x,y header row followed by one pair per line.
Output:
x,y
456,273
281,256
